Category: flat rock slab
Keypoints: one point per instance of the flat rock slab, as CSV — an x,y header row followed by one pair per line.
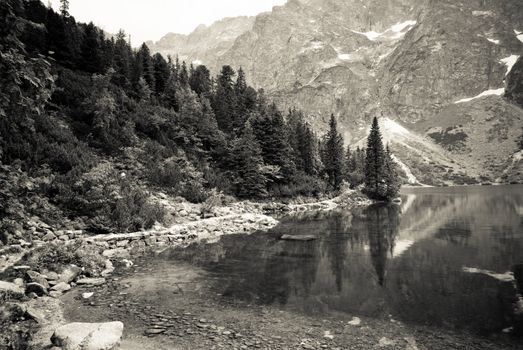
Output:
x,y
88,336
91,281
61,287
301,238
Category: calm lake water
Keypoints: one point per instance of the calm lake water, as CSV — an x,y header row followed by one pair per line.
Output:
x,y
404,262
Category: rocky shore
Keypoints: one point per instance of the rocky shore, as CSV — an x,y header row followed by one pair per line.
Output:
x,y
35,273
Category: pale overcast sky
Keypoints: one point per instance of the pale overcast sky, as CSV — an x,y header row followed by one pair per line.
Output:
x,y
151,19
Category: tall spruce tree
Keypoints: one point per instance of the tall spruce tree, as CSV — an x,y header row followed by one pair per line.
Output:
x,y
375,161
183,76
90,50
122,61
270,130
200,81
64,8
392,180
145,66
161,73
333,154
224,101
247,163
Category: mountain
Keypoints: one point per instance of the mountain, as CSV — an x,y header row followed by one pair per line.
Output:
x,y
205,43
435,69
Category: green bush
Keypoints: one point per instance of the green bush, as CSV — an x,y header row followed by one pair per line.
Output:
x,y
55,256
179,177
110,200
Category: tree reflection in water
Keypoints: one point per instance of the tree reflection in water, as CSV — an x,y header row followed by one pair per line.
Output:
x,y
369,262
382,222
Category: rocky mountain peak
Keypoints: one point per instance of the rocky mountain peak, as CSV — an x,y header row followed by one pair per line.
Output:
x,y
415,62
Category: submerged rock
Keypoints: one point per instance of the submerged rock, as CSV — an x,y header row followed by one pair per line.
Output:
x,y
87,295
356,321
88,336
298,238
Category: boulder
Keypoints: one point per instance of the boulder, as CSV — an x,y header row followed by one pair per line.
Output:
x,y
61,287
109,268
55,294
33,276
10,291
35,314
116,253
51,275
70,273
49,237
302,238
88,336
36,288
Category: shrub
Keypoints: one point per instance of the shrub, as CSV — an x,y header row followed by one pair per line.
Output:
x,y
108,199
54,256
179,177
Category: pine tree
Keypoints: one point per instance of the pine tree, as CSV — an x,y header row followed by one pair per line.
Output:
x,y
375,186
333,154
348,164
161,73
169,97
392,180
122,61
246,98
271,133
90,50
247,163
183,76
144,66
200,81
224,101
64,8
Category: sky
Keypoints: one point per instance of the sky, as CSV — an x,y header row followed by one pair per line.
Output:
x,y
152,19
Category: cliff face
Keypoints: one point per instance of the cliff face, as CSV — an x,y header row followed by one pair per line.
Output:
x,y
437,68
206,43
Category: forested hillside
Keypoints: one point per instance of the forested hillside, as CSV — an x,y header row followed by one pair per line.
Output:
x,y
90,126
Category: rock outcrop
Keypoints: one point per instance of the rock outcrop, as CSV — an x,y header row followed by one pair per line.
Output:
x,y
412,61
88,336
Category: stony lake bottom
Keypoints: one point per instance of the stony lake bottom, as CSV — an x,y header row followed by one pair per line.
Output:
x,y
438,259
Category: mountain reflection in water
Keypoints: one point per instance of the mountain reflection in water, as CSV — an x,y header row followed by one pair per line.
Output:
x,y
401,260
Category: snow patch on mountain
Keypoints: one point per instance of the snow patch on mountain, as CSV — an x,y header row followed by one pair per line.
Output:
x,y
410,176
391,126
401,247
345,56
483,13
519,35
197,62
509,61
397,31
497,92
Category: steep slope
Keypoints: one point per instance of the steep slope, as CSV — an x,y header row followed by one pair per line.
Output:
x,y
205,43
438,67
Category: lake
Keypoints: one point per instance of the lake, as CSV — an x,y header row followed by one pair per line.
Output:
x,y
439,258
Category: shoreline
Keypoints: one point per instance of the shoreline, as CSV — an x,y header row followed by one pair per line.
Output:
x,y
43,312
